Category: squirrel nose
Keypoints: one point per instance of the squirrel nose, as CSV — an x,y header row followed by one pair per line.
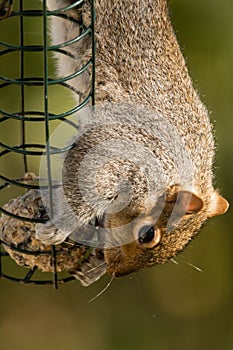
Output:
x,y
99,253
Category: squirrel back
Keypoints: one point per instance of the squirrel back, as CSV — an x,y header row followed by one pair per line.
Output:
x,y
138,59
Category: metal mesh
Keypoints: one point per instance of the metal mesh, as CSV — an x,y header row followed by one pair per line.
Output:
x,y
23,116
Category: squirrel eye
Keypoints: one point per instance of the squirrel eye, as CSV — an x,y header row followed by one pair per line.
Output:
x,y
146,234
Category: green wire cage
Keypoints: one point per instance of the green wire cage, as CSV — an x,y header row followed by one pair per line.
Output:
x,y
27,115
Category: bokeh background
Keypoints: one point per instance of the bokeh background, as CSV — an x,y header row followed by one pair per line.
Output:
x,y
174,306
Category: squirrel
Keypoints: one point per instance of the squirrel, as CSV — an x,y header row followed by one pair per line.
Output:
x,y
142,83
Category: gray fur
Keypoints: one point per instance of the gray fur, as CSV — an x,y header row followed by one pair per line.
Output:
x,y
141,70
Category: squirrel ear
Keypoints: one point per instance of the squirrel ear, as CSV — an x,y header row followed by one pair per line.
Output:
x,y
219,206
190,201
186,203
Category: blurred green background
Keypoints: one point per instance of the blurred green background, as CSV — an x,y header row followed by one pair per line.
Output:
x,y
173,306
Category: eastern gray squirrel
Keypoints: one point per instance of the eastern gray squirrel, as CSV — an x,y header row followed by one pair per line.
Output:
x,y
140,70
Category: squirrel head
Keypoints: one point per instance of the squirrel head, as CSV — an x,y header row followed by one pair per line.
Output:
x,y
135,176
159,234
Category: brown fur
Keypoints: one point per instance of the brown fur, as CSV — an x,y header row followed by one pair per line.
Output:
x,y
139,60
